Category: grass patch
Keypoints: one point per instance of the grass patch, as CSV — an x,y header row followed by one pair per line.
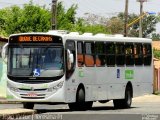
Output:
x,y
157,93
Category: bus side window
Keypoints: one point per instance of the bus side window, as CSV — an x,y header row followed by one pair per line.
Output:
x,y
138,54
147,54
110,54
129,53
89,54
100,54
120,56
80,56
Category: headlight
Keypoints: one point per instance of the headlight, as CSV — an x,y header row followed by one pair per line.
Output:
x,y
55,88
11,87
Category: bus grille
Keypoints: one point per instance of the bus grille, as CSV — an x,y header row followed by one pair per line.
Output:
x,y
22,89
32,93
33,97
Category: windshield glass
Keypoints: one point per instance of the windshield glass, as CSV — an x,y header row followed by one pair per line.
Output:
x,y
35,61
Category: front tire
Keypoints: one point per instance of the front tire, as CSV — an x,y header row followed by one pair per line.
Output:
x,y
88,105
126,102
28,105
80,101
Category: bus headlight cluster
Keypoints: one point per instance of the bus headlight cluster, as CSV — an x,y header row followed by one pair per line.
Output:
x,y
12,88
55,88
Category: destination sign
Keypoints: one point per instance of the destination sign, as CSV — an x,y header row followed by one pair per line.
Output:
x,y
32,38
35,39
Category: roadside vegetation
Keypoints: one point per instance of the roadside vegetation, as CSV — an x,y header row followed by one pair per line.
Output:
x,y
156,53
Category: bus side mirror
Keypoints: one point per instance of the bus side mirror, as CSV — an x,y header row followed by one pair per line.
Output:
x,y
4,52
70,59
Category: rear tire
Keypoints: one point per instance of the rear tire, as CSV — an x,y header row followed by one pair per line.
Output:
x,y
126,102
28,105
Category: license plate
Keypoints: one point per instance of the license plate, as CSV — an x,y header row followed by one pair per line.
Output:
x,y
32,94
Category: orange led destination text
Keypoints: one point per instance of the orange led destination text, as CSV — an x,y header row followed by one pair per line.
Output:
x,y
35,39
25,39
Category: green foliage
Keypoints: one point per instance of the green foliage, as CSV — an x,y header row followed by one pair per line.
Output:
x,y
66,19
155,36
93,29
91,23
115,25
30,18
33,18
148,24
156,53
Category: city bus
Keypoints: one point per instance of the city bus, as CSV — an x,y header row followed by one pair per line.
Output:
x,y
77,69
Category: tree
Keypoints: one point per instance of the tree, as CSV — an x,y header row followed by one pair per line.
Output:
x,y
30,18
66,18
34,19
149,24
92,23
155,36
115,25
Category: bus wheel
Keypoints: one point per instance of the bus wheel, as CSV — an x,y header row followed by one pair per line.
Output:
x,y
88,105
80,101
126,102
27,105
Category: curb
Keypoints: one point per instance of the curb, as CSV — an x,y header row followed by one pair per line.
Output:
x,y
15,113
4,101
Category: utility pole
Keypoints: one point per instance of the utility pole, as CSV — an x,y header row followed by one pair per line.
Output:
x,y
140,21
54,14
126,19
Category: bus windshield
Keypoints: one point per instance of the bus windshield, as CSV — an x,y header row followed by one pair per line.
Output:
x,y
35,61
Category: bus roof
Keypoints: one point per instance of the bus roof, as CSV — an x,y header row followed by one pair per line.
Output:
x,y
89,36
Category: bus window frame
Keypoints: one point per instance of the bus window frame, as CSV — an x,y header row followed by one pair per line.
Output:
x,y
103,60
120,57
147,55
110,55
80,55
129,57
89,55
138,54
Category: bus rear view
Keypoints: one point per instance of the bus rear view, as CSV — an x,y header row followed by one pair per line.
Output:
x,y
35,69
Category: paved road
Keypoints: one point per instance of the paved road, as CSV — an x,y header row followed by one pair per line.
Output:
x,y
143,108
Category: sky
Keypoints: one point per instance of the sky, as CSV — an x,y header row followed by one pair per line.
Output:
x,y
105,8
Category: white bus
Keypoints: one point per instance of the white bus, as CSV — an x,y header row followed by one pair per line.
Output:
x,y
60,67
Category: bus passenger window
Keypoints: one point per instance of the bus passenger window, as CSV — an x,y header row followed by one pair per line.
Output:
x,y
110,54
100,54
147,54
89,54
120,56
129,54
138,54
80,57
